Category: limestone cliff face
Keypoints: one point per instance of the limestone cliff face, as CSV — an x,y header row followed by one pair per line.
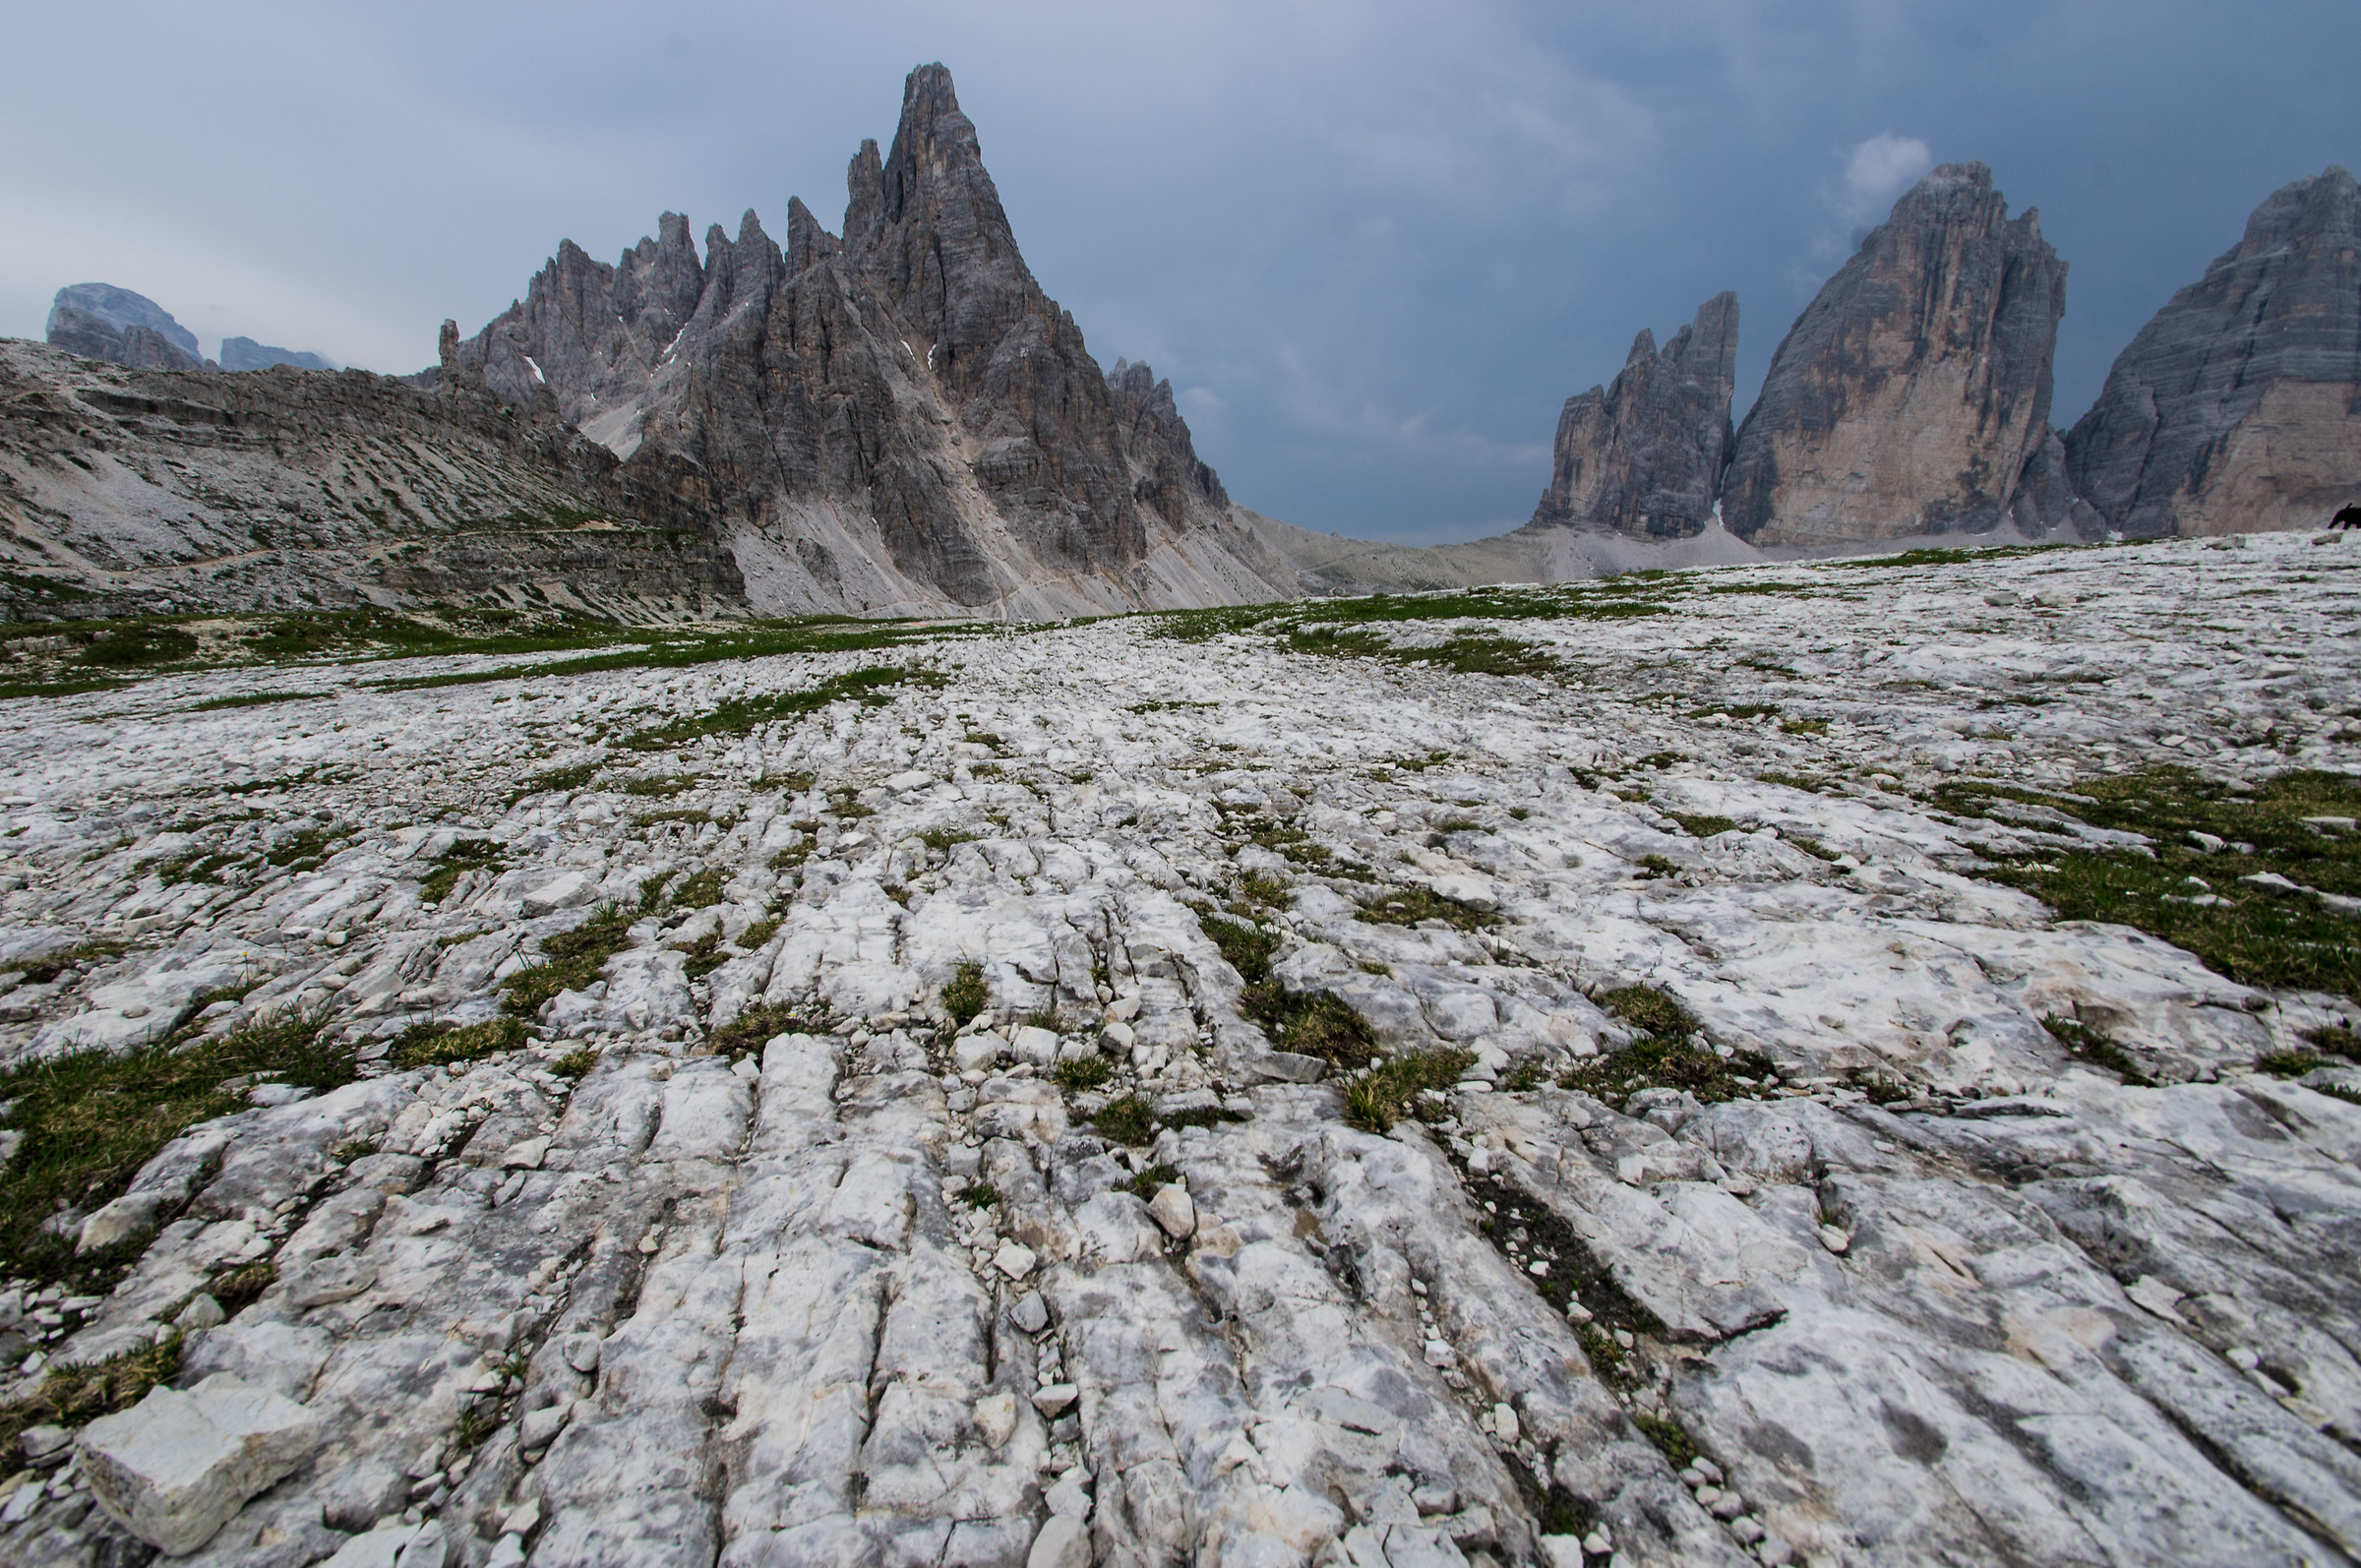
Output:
x,y
2238,406
899,418
1909,395
1645,455
99,320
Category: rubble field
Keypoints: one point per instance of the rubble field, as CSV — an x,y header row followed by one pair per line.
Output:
x,y
1840,1064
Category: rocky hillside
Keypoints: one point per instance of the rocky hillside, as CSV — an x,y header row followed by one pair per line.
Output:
x,y
128,491
2239,405
894,419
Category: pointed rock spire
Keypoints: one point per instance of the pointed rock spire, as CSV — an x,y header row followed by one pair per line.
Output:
x,y
1644,455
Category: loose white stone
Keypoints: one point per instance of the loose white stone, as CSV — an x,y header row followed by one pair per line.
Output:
x,y
540,1427
1063,1543
176,1466
996,1417
1013,1259
1056,1399
1172,1209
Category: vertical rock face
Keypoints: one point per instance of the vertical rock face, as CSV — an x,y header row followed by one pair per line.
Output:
x,y
2239,405
896,418
1910,394
1644,456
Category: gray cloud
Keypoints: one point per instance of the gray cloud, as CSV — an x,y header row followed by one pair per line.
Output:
x,y
1375,245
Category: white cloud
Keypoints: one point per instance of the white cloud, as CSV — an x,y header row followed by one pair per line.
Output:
x,y
1881,169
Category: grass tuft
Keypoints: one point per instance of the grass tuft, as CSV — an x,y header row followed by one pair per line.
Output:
x,y
1382,1096
966,995
91,1120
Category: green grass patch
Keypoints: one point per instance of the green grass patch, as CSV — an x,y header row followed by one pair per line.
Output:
x,y
1666,1054
254,700
1127,1120
870,686
980,1195
42,971
757,1027
965,993
1389,1091
1474,654
2096,1047
1702,824
1407,906
136,644
662,786
1154,1180
576,1063
91,1120
425,1045
71,1396
570,960
2253,934
17,689
464,856
557,782
1081,1074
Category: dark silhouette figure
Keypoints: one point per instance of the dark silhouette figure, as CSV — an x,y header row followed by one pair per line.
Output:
x,y
2349,517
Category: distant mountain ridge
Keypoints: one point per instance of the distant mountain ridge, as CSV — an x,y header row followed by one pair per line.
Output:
x,y
899,417
99,320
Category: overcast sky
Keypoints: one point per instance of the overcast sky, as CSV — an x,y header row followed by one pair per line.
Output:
x,y
1373,245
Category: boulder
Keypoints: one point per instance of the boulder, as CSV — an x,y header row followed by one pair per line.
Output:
x,y
175,1466
1173,1212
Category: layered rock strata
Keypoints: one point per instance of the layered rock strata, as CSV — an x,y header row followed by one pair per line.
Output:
x,y
899,418
137,492
2239,405
1645,455
1909,397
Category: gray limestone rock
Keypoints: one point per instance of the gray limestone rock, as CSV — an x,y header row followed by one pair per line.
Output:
x,y
99,320
175,1466
2234,407
899,417
244,353
1645,455
1909,395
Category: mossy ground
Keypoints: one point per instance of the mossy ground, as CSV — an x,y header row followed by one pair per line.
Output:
x,y
2192,896
90,1120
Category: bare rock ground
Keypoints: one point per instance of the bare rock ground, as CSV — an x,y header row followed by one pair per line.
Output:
x,y
748,1251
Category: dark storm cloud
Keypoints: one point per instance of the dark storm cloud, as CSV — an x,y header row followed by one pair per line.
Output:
x,y
1374,246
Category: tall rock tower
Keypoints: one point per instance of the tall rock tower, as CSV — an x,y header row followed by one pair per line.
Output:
x,y
2238,406
1910,394
1645,455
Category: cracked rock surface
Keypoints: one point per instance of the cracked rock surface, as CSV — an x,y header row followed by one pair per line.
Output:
x,y
749,1252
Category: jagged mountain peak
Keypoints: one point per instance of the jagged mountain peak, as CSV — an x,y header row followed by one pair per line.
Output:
x,y
899,418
